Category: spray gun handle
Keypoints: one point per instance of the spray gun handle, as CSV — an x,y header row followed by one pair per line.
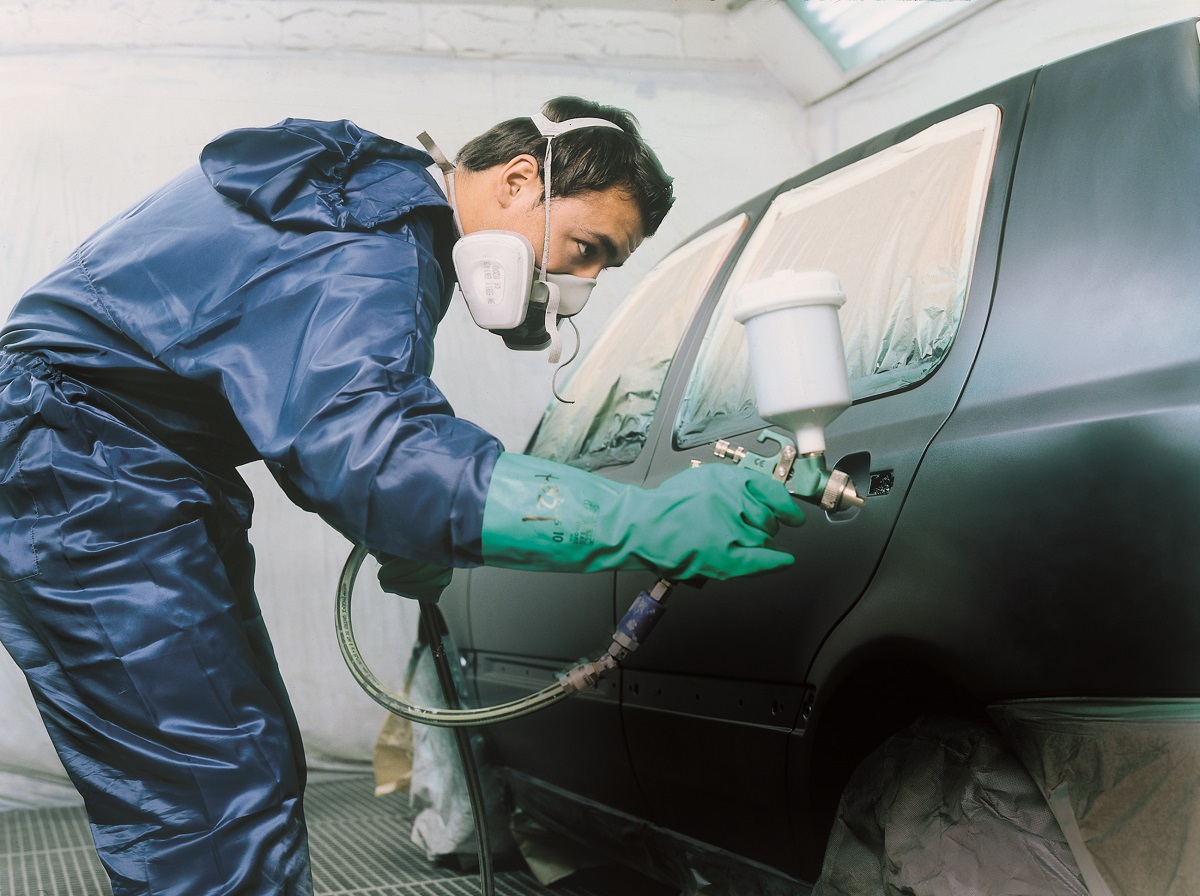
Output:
x,y
805,477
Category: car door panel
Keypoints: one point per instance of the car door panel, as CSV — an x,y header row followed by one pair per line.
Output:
x,y
1078,425
759,635
522,627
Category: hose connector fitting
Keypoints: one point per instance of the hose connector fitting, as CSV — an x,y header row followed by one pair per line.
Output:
x,y
585,676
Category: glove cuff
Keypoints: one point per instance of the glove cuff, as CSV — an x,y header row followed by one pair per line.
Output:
x,y
545,515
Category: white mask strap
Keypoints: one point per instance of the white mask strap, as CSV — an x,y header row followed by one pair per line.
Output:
x,y
552,300
447,168
548,128
546,202
551,129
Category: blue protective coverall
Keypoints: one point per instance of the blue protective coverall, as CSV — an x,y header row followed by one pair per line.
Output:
x,y
278,301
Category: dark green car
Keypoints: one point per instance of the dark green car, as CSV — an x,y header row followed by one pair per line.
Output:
x,y
1022,333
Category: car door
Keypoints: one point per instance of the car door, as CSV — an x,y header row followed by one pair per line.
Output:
x,y
522,627
911,224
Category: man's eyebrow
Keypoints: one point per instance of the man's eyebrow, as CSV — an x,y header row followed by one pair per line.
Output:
x,y
609,246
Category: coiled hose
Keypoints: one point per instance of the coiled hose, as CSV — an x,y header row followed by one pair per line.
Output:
x,y
631,631
426,715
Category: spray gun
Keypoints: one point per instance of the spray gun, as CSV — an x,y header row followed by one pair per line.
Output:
x,y
799,370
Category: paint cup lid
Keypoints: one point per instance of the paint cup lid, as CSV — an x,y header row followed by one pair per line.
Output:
x,y
788,289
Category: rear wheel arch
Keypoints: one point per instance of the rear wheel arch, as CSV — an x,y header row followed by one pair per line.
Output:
x,y
864,703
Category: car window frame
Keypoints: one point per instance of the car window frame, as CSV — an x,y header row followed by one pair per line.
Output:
x,y
628,470
916,131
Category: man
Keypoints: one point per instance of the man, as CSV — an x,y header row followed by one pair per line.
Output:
x,y
279,301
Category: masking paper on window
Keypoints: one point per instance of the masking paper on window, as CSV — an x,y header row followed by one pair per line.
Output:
x,y
899,229
616,389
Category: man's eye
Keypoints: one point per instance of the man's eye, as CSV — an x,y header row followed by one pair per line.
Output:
x,y
586,250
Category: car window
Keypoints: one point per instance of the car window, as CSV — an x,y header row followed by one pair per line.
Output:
x,y
616,388
899,228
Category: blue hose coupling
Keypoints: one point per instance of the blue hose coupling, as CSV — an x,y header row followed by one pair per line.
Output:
x,y
631,631
639,620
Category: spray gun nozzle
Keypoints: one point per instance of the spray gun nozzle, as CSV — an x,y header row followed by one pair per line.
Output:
x,y
840,493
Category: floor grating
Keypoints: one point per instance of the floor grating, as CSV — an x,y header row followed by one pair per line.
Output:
x,y
359,845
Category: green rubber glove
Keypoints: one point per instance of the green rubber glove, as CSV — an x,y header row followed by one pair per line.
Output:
x,y
411,578
712,520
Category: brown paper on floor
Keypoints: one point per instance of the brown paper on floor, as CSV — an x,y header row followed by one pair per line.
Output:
x,y
393,756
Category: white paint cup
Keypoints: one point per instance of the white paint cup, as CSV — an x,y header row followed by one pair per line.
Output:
x,y
796,354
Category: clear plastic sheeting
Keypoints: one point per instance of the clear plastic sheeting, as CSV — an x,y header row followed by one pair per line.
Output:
x,y
615,391
945,807
425,761
899,228
1123,779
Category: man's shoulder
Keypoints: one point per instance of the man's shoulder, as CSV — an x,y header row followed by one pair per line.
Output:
x,y
307,174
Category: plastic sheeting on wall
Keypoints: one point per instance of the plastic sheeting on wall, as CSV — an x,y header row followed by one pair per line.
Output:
x,y
1123,780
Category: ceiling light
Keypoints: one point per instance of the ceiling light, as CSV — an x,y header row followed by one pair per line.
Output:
x,y
857,33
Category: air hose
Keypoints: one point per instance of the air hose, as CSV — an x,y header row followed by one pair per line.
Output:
x,y
569,682
631,631
432,625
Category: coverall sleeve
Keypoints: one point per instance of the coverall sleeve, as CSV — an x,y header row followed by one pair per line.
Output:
x,y
324,354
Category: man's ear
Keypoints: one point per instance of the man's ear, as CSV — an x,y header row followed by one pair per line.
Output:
x,y
519,173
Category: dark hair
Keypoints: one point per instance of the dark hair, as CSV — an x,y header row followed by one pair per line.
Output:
x,y
585,160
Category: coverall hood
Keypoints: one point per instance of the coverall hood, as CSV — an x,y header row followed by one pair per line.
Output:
x,y
305,179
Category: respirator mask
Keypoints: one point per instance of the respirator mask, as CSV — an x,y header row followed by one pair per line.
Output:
x,y
505,291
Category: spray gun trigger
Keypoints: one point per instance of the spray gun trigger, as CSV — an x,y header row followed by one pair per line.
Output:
x,y
783,468
782,463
